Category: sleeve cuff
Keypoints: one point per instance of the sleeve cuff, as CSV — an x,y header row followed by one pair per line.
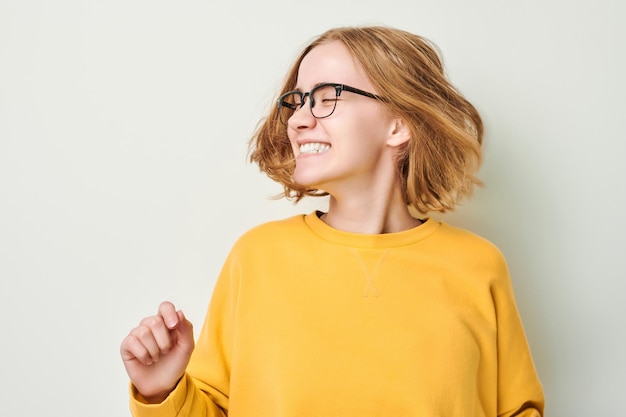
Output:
x,y
168,408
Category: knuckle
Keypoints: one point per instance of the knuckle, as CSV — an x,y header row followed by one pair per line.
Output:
x,y
144,357
132,348
151,321
166,345
142,332
127,344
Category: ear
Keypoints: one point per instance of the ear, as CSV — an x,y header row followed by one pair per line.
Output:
x,y
399,132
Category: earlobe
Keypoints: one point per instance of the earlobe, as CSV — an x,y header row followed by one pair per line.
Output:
x,y
399,134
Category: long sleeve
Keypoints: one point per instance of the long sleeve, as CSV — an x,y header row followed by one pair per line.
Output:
x,y
519,390
203,391
211,363
185,400
307,321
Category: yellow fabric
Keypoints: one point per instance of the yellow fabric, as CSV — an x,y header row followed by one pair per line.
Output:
x,y
309,321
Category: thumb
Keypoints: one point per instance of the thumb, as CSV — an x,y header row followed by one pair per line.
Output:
x,y
185,332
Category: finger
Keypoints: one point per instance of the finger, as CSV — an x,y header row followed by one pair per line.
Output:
x,y
146,337
156,337
168,312
133,349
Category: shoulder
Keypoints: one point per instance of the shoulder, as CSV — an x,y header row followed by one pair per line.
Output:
x,y
464,238
267,245
467,244
472,257
288,225
272,233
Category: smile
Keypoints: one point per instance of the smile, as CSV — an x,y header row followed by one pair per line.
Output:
x,y
314,147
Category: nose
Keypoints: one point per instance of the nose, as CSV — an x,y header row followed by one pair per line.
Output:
x,y
302,118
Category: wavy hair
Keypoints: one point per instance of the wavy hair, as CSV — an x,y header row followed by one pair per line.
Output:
x,y
438,164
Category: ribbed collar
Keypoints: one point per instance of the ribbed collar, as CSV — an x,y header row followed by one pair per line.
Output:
x,y
370,241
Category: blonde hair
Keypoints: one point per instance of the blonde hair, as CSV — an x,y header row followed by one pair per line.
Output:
x,y
438,164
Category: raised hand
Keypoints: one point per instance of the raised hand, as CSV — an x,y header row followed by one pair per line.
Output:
x,y
156,352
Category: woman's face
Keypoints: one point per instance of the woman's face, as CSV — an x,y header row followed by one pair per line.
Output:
x,y
347,150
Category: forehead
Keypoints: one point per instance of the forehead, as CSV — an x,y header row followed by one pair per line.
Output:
x,y
331,63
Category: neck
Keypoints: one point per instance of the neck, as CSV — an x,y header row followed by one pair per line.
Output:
x,y
371,213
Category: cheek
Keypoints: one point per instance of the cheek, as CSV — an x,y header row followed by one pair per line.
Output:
x,y
292,140
369,119
363,131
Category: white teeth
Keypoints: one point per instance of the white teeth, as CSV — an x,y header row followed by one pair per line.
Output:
x,y
314,147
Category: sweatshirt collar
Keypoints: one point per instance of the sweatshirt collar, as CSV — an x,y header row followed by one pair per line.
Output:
x,y
370,241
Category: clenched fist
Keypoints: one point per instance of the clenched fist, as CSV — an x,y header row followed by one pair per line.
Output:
x,y
156,352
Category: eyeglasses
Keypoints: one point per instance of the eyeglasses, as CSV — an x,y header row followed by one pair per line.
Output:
x,y
322,100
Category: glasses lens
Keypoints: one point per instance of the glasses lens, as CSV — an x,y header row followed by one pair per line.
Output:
x,y
324,100
287,105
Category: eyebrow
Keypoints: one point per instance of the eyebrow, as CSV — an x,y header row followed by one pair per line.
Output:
x,y
316,85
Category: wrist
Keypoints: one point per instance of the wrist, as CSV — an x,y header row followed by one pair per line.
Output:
x,y
152,396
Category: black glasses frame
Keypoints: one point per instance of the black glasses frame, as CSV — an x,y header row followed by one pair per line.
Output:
x,y
281,102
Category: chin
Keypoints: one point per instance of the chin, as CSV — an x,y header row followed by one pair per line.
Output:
x,y
306,181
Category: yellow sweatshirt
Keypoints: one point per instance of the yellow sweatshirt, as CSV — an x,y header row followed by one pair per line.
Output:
x,y
309,321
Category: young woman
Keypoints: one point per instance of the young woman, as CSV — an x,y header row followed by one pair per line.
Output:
x,y
365,310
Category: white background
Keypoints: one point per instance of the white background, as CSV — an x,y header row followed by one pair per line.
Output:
x,y
124,178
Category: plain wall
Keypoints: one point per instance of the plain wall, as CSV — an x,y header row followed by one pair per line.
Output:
x,y
124,178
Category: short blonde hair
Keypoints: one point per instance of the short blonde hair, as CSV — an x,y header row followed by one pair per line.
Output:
x,y
438,164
